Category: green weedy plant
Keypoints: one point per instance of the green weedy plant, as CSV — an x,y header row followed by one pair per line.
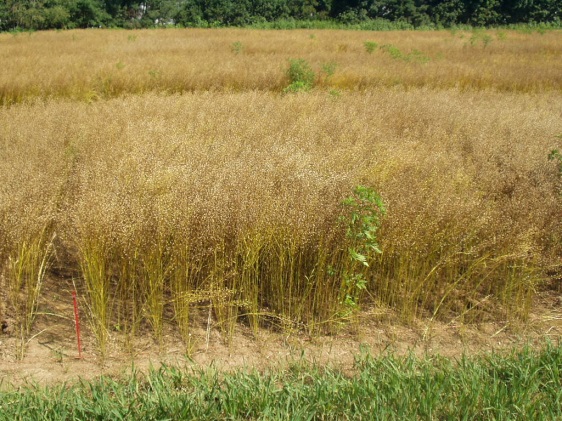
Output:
x,y
556,156
393,51
155,74
328,70
237,47
301,76
480,36
363,213
486,40
414,56
334,93
370,46
417,56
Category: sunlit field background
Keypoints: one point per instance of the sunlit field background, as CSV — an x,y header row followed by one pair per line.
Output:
x,y
169,171
95,64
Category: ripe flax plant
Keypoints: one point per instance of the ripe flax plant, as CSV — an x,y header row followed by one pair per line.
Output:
x,y
184,293
279,279
295,280
223,287
155,273
129,296
324,305
556,156
186,287
28,264
282,263
94,258
248,258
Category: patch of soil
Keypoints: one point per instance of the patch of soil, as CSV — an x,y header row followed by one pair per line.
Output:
x,y
51,354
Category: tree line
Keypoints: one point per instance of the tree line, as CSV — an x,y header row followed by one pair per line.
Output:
x,y
66,14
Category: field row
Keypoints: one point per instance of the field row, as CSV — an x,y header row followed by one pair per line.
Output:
x,y
91,64
248,203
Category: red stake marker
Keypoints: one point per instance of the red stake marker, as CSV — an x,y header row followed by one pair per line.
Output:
x,y
77,323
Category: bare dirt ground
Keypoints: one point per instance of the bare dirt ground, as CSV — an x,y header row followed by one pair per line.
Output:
x,y
51,355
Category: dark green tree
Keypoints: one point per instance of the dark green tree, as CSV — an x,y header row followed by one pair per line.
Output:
x,y
447,13
482,12
215,13
270,10
89,14
303,9
47,14
4,17
190,13
531,11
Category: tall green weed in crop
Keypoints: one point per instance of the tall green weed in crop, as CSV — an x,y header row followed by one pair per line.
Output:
x,y
556,156
370,46
237,47
363,213
301,76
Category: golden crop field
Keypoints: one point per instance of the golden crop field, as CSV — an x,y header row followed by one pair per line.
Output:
x,y
98,64
166,171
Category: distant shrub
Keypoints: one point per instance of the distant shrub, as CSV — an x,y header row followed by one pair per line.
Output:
x,y
393,51
301,76
370,46
237,47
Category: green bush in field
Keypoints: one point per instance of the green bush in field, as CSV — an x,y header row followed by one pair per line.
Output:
x,y
370,46
237,47
329,69
301,76
364,210
556,155
393,51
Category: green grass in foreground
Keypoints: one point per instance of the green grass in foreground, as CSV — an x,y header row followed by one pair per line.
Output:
x,y
523,385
